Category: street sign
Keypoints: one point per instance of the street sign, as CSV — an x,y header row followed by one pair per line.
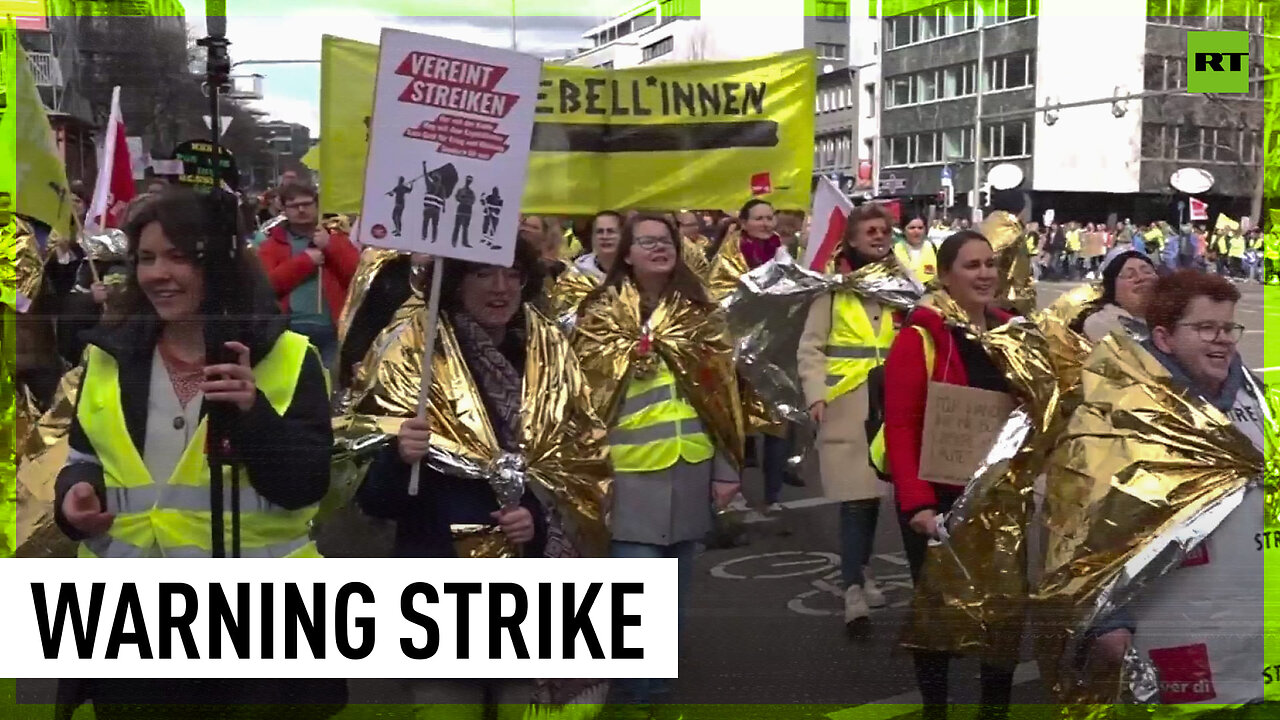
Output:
x,y
202,169
892,183
224,120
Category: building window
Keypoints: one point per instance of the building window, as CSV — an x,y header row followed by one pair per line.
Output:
x,y
926,148
897,151
957,144
830,51
1008,72
901,91
927,86
901,31
1008,140
1153,141
870,91
605,65
959,16
646,20
830,11
1002,11
658,49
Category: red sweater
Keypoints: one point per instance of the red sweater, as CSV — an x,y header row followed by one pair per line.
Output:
x,y
287,271
906,389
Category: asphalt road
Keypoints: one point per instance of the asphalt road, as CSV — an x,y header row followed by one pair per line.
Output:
x,y
765,628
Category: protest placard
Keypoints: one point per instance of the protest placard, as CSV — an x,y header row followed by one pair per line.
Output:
x,y
960,425
450,134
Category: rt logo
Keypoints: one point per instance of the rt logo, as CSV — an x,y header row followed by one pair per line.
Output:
x,y
1218,62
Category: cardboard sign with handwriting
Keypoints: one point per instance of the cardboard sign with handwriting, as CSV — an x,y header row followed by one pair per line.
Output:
x,y
960,426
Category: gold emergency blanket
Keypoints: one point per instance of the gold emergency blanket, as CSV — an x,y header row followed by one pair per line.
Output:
x,y
695,256
1140,474
767,312
564,455
614,344
568,292
973,592
1017,291
722,274
21,263
727,266
43,449
372,261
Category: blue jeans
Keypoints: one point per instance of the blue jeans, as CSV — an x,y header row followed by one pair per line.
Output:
x,y
857,536
641,690
776,452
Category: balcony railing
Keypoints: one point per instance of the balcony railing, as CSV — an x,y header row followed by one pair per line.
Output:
x,y
45,68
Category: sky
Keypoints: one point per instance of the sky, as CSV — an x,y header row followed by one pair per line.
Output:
x,y
292,92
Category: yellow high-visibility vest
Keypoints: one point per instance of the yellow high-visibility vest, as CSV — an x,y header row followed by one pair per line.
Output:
x,y
925,266
1031,243
1236,246
172,519
657,427
879,455
854,348
1073,241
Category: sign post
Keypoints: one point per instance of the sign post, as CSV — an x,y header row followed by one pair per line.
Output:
x,y
452,125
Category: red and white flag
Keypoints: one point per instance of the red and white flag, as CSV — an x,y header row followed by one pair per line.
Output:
x,y
1199,209
114,188
831,210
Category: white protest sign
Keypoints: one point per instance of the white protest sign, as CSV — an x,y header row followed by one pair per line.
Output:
x,y
449,147
960,426
1202,625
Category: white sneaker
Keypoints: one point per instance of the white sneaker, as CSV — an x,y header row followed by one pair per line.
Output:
x,y
871,590
855,605
772,508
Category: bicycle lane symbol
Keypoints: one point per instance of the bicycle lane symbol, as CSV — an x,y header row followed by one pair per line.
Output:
x,y
798,563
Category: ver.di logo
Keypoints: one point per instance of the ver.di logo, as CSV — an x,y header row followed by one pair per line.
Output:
x,y
1218,62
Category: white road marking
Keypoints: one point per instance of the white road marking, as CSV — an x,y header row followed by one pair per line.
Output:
x,y
817,562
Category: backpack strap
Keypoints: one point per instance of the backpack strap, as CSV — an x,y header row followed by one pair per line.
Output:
x,y
929,352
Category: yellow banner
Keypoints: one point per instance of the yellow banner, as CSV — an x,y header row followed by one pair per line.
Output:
x,y
703,135
41,176
347,72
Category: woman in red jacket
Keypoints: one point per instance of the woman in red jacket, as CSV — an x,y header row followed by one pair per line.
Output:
x,y
968,273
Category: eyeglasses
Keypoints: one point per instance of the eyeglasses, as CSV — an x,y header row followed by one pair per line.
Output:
x,y
300,205
1131,275
653,242
1211,331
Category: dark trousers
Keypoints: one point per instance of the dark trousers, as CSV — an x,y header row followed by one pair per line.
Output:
x,y
857,537
776,452
933,668
463,223
430,216
397,213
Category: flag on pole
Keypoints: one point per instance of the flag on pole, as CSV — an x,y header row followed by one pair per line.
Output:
x,y
830,214
1199,209
41,177
114,188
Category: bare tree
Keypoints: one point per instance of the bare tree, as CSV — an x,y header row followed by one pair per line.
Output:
x,y
699,43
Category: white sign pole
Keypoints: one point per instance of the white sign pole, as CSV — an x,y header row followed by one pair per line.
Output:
x,y
428,367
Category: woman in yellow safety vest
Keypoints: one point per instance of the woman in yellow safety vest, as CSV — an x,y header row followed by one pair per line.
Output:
x,y
137,480
846,337
655,351
917,252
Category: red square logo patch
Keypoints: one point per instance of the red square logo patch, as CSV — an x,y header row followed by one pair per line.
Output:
x,y
761,184
1199,556
1185,676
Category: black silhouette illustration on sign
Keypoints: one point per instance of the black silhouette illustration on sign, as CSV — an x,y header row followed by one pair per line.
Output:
x,y
492,206
397,212
439,186
466,198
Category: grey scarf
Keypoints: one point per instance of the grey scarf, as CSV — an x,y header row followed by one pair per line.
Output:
x,y
498,381
1231,388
